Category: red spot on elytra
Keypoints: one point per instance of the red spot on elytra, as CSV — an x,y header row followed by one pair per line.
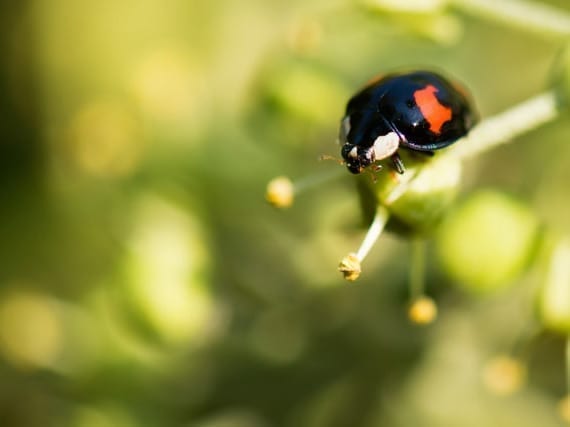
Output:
x,y
434,112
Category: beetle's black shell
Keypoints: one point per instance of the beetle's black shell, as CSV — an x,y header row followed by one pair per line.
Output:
x,y
389,104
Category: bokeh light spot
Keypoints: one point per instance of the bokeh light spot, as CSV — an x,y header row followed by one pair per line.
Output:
x,y
278,337
103,416
422,311
305,35
564,408
504,375
411,6
30,330
485,244
167,86
166,268
555,292
105,139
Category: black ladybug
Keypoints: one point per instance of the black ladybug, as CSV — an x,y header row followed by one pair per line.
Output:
x,y
420,111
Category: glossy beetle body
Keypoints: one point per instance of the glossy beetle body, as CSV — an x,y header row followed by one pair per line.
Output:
x,y
420,111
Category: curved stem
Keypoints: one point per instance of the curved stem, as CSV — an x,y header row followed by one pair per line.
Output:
x,y
494,131
317,179
417,269
525,14
505,126
568,364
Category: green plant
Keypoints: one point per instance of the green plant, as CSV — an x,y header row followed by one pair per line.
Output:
x,y
491,240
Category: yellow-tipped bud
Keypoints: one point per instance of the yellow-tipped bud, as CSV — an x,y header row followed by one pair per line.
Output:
x,y
280,192
564,408
305,36
423,311
350,267
504,375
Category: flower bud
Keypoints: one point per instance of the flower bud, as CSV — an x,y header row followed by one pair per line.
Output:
x,y
564,408
422,311
487,242
280,192
425,18
305,91
504,375
554,296
561,78
409,6
418,199
350,267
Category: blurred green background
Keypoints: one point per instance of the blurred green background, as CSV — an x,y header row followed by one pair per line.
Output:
x,y
144,281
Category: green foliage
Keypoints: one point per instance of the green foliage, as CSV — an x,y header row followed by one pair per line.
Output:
x,y
145,282
488,241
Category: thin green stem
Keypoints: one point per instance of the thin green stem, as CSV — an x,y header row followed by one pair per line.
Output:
x,y
494,131
418,268
505,126
524,14
568,364
380,220
400,189
317,179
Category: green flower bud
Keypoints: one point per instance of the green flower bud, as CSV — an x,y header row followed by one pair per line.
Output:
x,y
307,92
487,242
425,18
562,77
554,296
409,6
418,199
165,292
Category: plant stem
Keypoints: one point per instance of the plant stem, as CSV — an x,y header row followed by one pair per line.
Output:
x,y
380,220
317,179
281,191
503,127
525,14
568,364
417,269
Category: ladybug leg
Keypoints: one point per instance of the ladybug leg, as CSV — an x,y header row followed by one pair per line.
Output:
x,y
375,167
373,170
398,164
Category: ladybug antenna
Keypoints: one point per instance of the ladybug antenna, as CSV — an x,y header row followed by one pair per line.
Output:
x,y
329,157
281,191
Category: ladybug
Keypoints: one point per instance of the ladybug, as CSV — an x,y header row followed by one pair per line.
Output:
x,y
419,111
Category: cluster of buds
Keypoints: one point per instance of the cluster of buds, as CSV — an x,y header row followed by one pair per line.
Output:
x,y
415,204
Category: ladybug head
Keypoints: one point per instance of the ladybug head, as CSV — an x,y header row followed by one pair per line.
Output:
x,y
357,158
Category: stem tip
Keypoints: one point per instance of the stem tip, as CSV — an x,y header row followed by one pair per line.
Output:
x,y
280,192
422,311
350,267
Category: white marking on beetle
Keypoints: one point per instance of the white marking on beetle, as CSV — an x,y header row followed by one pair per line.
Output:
x,y
353,154
386,145
344,130
346,125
